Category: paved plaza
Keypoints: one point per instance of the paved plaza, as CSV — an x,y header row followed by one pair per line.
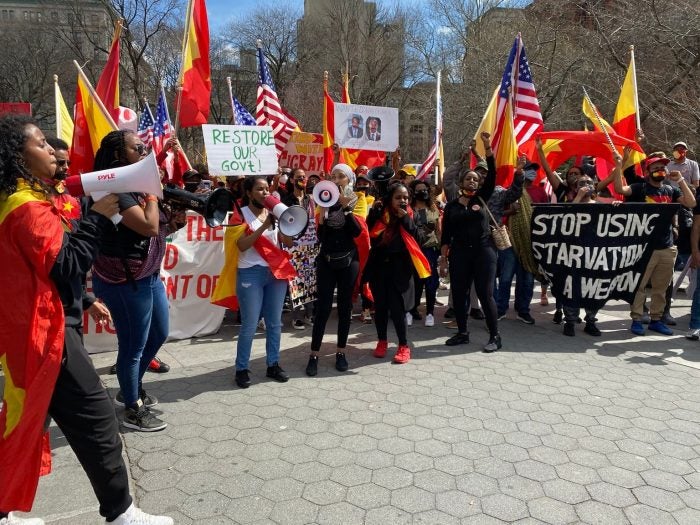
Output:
x,y
549,430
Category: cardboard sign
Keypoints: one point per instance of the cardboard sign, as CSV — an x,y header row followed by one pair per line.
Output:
x,y
373,128
240,150
305,151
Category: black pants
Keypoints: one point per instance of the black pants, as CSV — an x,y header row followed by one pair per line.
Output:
x,y
85,414
388,301
327,280
474,265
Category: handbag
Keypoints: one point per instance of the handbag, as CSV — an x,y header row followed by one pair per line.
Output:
x,y
339,260
499,234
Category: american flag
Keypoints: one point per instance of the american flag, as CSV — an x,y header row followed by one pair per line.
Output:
x,y
527,118
268,110
145,128
241,116
162,130
429,162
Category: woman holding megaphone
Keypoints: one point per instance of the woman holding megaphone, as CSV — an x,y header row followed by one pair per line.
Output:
x,y
337,266
126,276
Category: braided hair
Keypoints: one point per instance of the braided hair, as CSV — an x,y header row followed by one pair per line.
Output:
x,y
112,151
13,137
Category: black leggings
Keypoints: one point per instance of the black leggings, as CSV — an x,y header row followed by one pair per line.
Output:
x,y
477,265
388,301
83,411
327,279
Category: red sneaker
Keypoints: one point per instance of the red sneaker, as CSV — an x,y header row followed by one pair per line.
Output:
x,y
403,355
380,350
158,366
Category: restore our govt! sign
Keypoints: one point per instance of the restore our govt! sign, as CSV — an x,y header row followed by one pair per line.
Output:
x,y
592,253
239,150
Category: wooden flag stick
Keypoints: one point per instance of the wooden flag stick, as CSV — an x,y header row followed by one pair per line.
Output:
x,y
230,96
57,109
98,101
634,83
600,120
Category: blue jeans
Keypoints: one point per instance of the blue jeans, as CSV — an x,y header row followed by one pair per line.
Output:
x,y
140,315
508,267
259,292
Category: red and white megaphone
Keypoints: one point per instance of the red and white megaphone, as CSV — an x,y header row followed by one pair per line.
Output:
x,y
326,194
293,220
140,177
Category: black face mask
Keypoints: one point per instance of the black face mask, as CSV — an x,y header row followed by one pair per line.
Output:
x,y
309,188
191,186
363,189
422,195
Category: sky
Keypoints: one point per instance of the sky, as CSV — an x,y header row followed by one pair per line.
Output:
x,y
222,11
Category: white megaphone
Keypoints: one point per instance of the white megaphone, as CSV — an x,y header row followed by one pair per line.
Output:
x,y
140,177
326,194
293,220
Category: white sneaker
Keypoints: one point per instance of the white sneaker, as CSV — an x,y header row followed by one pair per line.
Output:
x,y
409,319
429,320
693,334
16,520
135,516
261,325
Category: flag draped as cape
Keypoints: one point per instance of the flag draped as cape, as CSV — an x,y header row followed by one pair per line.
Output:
x,y
31,340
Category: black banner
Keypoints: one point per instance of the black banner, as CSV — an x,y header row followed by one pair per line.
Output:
x,y
591,253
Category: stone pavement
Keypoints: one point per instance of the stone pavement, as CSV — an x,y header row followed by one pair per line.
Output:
x,y
549,430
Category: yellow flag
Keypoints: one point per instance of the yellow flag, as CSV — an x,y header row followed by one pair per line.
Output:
x,y
488,122
64,122
591,111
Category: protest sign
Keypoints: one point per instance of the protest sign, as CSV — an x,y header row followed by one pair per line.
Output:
x,y
372,128
592,253
193,259
305,151
304,251
240,150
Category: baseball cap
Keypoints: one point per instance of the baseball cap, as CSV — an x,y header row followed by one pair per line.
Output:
x,y
408,170
482,165
652,160
680,144
531,166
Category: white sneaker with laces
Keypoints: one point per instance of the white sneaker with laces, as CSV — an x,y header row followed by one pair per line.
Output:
x,y
693,334
409,319
429,320
16,520
135,516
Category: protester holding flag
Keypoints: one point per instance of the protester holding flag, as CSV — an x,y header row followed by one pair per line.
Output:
x,y
262,273
466,241
659,272
393,260
126,276
47,369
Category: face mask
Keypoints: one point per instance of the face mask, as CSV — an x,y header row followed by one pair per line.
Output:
x,y
310,188
468,193
529,175
422,195
283,178
658,176
191,186
363,189
301,184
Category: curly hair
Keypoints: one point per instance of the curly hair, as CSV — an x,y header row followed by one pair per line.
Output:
x,y
13,137
112,151
393,186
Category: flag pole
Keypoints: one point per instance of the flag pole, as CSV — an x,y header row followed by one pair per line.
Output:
x,y
230,97
599,119
98,101
634,84
180,80
438,131
56,108
167,115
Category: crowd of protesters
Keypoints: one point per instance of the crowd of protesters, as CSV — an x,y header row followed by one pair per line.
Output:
x,y
386,239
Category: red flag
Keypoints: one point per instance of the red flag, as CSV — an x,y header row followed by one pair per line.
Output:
x,y
195,75
328,128
107,87
31,340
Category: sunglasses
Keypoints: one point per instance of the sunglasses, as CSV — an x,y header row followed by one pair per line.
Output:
x,y
140,149
63,163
